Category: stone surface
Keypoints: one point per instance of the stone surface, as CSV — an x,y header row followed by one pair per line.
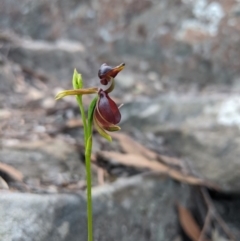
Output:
x,y
204,131
56,60
6,78
41,19
54,161
190,43
141,208
193,43
34,217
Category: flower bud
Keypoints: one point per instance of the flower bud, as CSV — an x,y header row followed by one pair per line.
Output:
x,y
77,81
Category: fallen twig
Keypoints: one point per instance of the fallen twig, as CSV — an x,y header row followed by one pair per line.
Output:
x,y
214,214
206,225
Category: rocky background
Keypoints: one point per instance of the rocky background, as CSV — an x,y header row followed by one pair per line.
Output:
x,y
173,173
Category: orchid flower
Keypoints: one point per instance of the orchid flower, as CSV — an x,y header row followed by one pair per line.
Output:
x,y
105,111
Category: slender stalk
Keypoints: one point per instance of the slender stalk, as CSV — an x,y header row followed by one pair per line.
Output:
x,y
88,152
79,100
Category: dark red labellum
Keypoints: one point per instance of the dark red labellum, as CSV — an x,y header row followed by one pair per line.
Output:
x,y
107,109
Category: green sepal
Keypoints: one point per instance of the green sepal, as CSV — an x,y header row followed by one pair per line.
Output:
x,y
112,128
101,131
77,81
77,92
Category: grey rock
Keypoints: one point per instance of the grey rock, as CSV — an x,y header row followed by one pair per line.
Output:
x,y
40,19
125,81
7,79
141,208
28,217
54,161
191,43
56,60
203,131
186,41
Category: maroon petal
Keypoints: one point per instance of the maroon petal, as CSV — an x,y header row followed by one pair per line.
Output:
x,y
107,108
106,72
101,121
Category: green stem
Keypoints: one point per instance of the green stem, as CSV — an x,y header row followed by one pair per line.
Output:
x,y
77,85
79,100
88,152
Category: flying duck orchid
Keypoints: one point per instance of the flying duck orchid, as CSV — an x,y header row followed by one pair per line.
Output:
x,y
103,110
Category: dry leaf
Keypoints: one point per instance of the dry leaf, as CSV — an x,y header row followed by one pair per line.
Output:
x,y
10,171
100,176
73,123
142,162
132,160
3,184
80,185
188,223
131,146
5,114
170,160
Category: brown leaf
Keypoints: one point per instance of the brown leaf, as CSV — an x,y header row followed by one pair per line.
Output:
x,y
131,146
100,176
11,172
3,184
170,160
188,223
132,160
73,123
5,114
142,162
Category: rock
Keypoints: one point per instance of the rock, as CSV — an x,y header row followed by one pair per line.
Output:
x,y
125,81
10,81
54,161
121,212
186,43
191,43
46,217
202,130
57,60
6,79
53,21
